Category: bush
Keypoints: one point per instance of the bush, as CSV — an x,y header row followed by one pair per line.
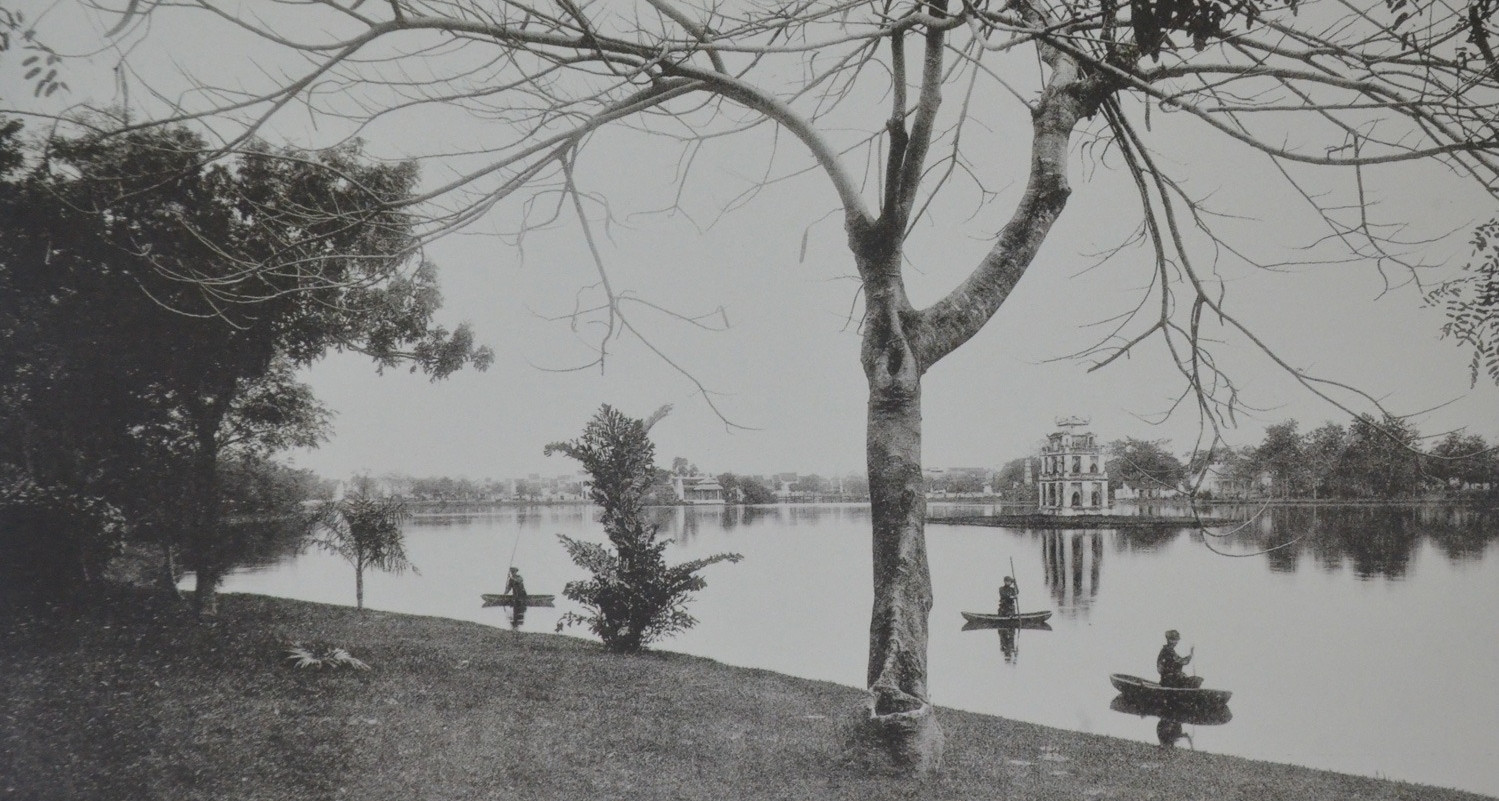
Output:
x,y
634,598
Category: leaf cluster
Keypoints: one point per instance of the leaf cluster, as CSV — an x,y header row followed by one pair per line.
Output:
x,y
43,65
367,531
1472,304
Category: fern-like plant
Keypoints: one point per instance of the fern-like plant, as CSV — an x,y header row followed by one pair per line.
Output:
x,y
634,597
320,657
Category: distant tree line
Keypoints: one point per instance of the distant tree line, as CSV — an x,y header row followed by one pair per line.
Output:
x,y
1367,459
155,307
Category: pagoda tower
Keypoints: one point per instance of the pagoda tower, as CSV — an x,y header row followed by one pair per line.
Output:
x,y
1074,478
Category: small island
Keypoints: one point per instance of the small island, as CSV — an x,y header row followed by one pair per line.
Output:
x,y
1042,520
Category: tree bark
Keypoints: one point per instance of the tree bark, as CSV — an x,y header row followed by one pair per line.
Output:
x,y
204,548
900,715
169,574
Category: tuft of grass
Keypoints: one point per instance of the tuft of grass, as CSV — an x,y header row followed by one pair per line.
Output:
x,y
135,699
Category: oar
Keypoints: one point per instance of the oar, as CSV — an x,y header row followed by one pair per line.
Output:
x,y
512,553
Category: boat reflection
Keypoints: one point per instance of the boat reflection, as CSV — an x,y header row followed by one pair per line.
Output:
x,y
975,625
518,605
1009,635
1172,717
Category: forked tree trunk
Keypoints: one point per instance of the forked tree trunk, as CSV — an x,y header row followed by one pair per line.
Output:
x,y
900,344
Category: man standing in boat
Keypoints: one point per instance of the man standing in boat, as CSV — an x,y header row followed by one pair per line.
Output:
x,y
1170,664
1009,598
516,586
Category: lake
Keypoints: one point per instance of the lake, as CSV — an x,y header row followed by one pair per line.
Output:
x,y
1366,640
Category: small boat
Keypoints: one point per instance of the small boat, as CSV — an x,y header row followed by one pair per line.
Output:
x,y
1138,689
513,600
1022,620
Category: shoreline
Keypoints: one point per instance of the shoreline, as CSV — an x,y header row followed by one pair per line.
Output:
x,y
453,709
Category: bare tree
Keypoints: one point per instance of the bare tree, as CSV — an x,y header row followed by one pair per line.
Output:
x,y
894,102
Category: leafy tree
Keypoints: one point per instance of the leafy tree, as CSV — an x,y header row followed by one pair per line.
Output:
x,y
1382,459
855,486
1462,459
745,489
1009,482
265,508
212,282
812,484
366,530
1145,465
1331,87
633,598
1323,451
1282,455
526,489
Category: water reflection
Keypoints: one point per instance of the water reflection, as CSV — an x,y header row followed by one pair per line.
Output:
x,y
1172,718
1009,635
1374,542
1073,562
1009,644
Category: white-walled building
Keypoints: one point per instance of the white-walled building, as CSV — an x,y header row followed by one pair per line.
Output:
x,y
1074,475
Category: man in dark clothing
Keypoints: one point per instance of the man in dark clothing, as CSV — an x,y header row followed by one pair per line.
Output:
x,y
516,585
1170,664
1009,598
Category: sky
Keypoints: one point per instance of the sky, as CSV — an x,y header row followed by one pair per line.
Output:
x,y
786,388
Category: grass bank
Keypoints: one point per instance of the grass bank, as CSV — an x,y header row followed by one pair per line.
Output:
x,y
132,699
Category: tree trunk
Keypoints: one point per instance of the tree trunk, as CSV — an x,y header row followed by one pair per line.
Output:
x,y
204,551
359,584
169,575
900,717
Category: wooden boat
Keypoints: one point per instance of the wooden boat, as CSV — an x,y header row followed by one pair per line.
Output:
x,y
511,600
1022,620
1136,688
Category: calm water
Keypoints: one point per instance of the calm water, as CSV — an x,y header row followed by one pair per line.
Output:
x,y
1368,643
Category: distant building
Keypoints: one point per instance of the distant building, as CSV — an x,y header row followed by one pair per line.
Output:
x,y
1074,476
697,489
1217,480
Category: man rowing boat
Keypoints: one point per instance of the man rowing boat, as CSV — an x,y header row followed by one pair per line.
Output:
x,y
1009,598
1170,664
515,586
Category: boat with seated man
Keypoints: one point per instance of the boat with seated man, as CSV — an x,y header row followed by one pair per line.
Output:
x,y
1021,620
494,599
1136,688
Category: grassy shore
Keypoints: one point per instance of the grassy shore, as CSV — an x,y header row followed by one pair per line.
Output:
x,y
131,699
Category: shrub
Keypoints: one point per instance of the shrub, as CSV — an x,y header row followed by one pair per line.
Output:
x,y
633,598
